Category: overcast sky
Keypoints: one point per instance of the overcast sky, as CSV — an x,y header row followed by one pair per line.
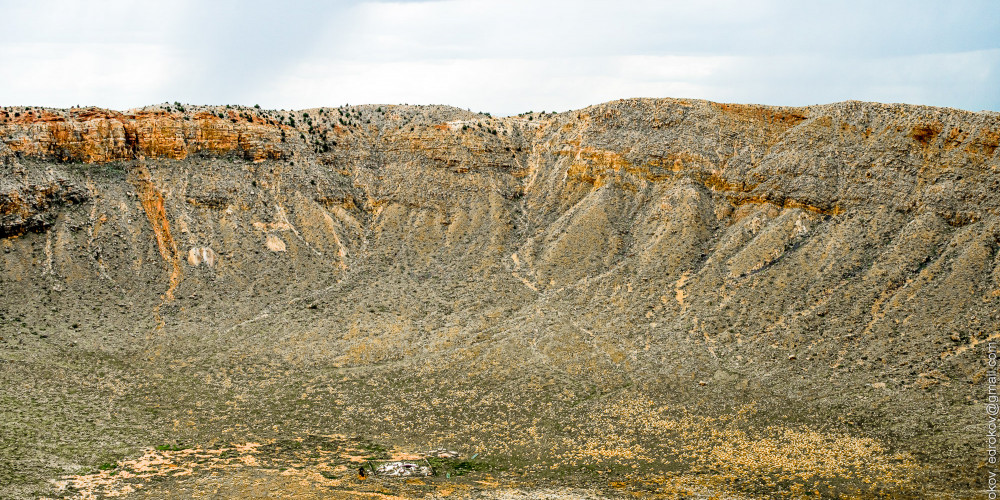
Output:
x,y
501,56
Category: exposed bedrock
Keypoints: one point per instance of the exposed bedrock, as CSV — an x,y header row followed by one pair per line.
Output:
x,y
838,261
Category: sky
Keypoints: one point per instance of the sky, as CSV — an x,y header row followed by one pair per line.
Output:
x,y
503,56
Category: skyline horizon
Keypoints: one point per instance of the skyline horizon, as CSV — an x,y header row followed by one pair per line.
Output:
x,y
501,58
540,111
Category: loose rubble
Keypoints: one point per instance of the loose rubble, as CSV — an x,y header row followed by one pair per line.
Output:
x,y
403,469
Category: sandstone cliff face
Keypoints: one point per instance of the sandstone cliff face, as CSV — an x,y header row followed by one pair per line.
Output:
x,y
835,263
99,136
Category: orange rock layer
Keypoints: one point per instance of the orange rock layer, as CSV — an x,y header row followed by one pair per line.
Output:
x,y
98,136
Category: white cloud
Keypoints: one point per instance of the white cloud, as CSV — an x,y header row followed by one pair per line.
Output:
x,y
502,86
501,57
964,80
106,74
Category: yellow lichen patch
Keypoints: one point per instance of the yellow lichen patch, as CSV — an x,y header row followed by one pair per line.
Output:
x,y
803,453
632,432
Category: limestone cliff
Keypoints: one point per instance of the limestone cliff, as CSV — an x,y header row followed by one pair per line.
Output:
x,y
100,136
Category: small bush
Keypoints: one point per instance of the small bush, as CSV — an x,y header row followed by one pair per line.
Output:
x,y
171,447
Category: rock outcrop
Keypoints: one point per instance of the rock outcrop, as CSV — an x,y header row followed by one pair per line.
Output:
x,y
34,207
100,136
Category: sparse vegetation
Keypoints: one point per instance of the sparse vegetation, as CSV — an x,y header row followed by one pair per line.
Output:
x,y
615,302
170,447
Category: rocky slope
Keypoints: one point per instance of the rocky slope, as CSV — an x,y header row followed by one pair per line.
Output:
x,y
767,300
